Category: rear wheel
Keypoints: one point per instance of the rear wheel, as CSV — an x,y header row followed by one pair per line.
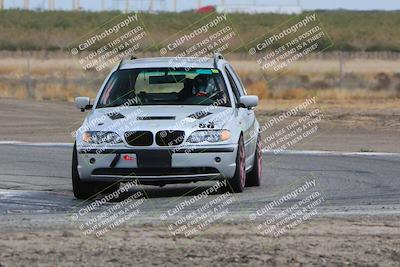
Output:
x,y
82,190
254,176
239,179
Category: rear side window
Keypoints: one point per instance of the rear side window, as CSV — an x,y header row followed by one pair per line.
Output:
x,y
233,84
241,89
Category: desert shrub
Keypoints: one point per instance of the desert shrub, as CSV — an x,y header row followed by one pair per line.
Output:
x,y
259,88
304,78
331,75
291,93
382,81
397,90
319,84
396,76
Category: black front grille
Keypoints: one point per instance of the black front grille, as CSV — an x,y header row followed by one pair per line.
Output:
x,y
170,138
139,138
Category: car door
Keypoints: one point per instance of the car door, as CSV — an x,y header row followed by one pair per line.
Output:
x,y
246,116
250,130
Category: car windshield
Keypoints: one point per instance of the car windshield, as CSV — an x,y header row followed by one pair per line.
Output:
x,y
163,86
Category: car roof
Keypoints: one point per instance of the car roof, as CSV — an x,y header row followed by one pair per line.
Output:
x,y
168,62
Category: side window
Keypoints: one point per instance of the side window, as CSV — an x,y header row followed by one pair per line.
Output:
x,y
242,90
233,85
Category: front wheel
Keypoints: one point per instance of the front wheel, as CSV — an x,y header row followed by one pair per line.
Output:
x,y
254,176
237,182
82,190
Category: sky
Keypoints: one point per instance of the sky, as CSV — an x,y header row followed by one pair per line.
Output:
x,y
192,4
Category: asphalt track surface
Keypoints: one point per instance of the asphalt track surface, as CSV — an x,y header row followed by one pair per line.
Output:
x,y
35,183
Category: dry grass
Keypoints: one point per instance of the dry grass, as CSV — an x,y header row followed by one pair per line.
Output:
x,y
62,93
54,92
39,67
317,66
21,93
259,88
344,94
61,78
291,93
332,94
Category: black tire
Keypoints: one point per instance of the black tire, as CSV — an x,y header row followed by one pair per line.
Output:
x,y
254,176
238,181
82,190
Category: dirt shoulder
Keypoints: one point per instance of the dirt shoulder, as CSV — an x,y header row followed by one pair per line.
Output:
x,y
353,125
358,241
350,125
38,121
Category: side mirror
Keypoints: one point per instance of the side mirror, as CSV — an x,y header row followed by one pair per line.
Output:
x,y
82,103
248,101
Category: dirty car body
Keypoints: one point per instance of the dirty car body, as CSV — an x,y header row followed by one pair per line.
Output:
x,y
159,121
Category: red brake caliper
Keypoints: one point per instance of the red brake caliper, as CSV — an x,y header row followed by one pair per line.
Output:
x,y
259,152
242,165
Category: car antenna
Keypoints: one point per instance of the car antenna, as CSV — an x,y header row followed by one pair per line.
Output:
x,y
123,59
217,56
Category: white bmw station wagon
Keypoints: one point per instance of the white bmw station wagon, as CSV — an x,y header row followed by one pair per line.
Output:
x,y
159,121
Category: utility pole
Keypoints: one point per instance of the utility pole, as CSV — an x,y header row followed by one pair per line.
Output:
x,y
75,4
29,79
26,4
1,4
151,2
175,7
126,6
341,69
52,4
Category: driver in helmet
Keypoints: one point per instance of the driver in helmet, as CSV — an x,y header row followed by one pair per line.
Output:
x,y
203,85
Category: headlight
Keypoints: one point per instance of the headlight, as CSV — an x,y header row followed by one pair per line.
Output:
x,y
211,136
96,137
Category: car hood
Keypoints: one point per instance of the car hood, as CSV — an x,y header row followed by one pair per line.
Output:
x,y
154,118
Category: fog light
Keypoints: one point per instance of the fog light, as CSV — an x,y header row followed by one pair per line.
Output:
x,y
217,159
92,161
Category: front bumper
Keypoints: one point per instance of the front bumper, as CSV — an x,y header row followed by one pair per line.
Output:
x,y
157,165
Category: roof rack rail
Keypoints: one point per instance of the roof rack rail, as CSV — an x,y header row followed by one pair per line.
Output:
x,y
217,56
125,58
